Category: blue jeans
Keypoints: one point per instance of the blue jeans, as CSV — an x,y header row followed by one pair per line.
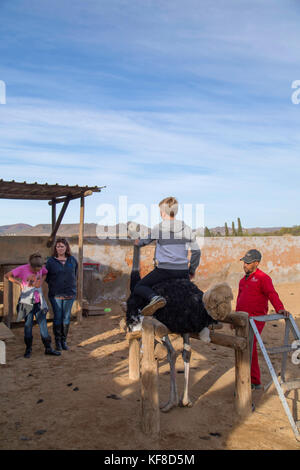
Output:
x,y
40,316
62,310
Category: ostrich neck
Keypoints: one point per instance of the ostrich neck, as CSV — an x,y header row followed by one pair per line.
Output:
x,y
136,258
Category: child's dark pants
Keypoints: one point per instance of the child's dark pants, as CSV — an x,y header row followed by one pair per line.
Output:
x,y
143,287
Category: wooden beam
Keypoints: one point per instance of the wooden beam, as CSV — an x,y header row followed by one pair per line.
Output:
x,y
63,199
35,191
134,334
58,222
236,319
29,197
80,260
228,341
160,329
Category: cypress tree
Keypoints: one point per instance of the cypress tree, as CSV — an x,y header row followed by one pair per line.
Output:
x,y
226,230
239,230
234,234
207,232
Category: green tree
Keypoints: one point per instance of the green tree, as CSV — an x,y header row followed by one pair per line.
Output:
x,y
226,230
239,230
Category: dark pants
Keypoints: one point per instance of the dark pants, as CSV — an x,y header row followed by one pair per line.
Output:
x,y
143,287
40,316
255,370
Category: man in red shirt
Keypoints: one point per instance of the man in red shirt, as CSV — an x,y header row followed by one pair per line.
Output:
x,y
255,290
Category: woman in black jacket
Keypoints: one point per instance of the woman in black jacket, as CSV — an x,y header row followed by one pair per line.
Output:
x,y
62,283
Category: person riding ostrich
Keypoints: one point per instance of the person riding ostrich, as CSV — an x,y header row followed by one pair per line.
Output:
x,y
187,310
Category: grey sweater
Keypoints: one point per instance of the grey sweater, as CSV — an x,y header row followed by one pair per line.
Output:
x,y
174,239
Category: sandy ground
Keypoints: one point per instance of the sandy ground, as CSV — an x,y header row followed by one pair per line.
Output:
x,y
84,399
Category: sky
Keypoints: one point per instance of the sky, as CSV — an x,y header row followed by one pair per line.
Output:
x,y
153,98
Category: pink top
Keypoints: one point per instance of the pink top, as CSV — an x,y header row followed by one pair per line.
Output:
x,y
28,277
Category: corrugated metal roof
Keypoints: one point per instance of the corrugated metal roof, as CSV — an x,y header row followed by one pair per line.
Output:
x,y
37,191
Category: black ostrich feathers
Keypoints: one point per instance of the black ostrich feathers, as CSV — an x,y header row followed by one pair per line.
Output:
x,y
184,311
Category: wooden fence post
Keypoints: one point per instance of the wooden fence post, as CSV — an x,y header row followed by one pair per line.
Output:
x,y
149,382
134,359
243,394
7,302
149,370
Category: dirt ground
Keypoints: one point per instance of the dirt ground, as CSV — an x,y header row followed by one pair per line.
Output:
x,y
84,399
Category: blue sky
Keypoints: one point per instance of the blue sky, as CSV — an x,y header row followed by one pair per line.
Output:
x,y
153,98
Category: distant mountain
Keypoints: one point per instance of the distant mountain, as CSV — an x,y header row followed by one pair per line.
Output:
x,y
14,229
261,229
67,230
93,230
221,230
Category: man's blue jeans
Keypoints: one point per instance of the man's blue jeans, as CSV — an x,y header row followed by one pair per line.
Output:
x,y
61,310
40,316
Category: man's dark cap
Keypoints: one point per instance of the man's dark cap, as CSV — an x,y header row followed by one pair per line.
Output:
x,y
251,255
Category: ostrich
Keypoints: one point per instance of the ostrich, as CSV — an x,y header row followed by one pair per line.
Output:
x,y
186,312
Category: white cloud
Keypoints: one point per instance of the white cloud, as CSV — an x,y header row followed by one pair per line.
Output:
x,y
121,90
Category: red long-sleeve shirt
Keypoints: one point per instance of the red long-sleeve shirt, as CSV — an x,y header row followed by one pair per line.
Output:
x,y
254,294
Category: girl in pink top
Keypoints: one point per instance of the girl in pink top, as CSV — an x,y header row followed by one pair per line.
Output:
x,y
30,278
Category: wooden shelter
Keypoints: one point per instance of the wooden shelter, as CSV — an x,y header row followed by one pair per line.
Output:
x,y
55,194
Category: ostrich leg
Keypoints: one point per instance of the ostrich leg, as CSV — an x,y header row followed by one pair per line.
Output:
x,y
173,399
186,355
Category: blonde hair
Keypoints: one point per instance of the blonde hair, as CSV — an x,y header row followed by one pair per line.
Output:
x,y
169,205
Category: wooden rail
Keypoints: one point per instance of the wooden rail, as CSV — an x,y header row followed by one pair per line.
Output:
x,y
149,365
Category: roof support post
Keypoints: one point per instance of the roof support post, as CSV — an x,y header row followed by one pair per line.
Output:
x,y
80,260
53,214
58,222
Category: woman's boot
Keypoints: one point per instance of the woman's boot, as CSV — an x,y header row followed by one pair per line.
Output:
x,y
57,336
48,348
64,334
28,350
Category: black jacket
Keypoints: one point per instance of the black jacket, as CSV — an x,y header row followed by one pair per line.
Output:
x,y
62,279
